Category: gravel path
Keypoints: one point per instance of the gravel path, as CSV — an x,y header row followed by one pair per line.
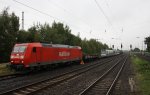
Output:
x,y
126,84
77,84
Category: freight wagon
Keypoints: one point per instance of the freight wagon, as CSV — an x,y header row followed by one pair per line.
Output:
x,y
107,53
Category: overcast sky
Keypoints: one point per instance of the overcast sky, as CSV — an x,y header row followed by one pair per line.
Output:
x,y
110,21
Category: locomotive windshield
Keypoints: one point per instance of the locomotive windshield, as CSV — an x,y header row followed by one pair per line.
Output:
x,y
19,48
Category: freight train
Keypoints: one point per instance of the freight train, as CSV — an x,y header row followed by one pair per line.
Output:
x,y
28,55
33,55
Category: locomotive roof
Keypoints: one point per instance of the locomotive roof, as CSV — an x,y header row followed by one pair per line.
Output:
x,y
59,46
51,45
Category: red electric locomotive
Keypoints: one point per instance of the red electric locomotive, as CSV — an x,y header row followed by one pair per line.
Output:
x,y
41,54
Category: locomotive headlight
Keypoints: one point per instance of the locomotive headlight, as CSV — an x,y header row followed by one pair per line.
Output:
x,y
12,56
22,56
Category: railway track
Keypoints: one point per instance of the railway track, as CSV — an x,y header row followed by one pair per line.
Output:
x,y
15,75
105,83
10,76
40,85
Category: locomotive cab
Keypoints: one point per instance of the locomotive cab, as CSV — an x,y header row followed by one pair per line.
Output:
x,y
18,55
23,55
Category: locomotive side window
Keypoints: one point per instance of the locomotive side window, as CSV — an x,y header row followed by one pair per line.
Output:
x,y
34,49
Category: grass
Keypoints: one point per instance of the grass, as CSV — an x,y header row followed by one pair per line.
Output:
x,y
5,70
142,68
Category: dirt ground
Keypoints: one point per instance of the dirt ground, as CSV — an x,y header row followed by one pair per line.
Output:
x,y
127,84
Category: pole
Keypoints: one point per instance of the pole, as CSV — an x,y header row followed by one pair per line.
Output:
x,y
22,20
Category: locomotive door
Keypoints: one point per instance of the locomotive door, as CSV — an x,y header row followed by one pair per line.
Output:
x,y
37,55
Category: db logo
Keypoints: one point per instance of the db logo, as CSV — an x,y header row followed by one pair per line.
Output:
x,y
64,53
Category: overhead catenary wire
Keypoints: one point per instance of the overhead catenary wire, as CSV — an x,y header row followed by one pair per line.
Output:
x,y
55,18
44,13
36,10
107,4
70,13
110,11
100,8
107,18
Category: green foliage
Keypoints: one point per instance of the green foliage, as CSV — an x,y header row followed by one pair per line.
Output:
x,y
142,74
9,26
147,42
5,70
57,33
92,46
136,50
22,36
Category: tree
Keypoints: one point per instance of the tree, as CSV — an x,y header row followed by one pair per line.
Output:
x,y
57,33
34,34
92,46
22,36
9,26
136,50
147,42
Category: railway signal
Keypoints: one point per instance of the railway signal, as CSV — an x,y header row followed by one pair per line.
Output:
x,y
130,47
121,45
113,46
